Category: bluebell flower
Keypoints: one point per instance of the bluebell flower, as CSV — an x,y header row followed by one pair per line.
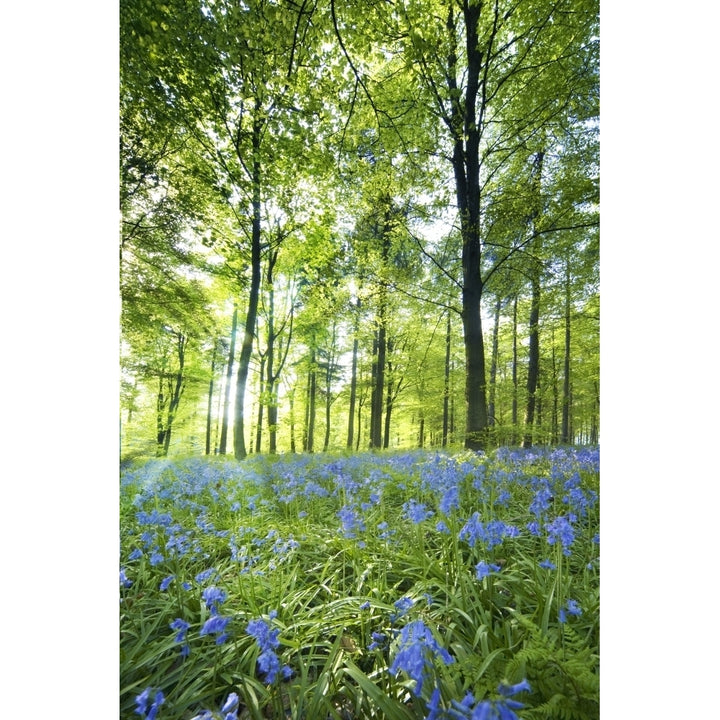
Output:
x,y
510,690
136,554
571,608
231,703
182,627
434,711
267,640
166,583
402,605
213,596
156,558
365,605
351,521
204,575
483,569
561,529
416,512
216,626
440,526
450,500
378,641
124,580
417,648
142,701
547,565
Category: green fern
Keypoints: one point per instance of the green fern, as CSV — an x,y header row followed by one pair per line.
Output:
x,y
562,671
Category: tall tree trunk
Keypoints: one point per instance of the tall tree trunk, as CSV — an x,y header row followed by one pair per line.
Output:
x,y
353,378
514,374
565,433
292,420
533,361
534,329
446,389
251,318
554,427
466,121
377,396
261,406
328,386
175,391
309,435
494,363
208,424
228,383
389,398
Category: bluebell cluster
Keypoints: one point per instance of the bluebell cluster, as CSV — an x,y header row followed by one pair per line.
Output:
x,y
267,641
416,652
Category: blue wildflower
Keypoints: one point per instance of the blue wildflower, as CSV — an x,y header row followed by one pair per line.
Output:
x,y
402,605
571,608
143,700
182,627
433,706
365,605
561,529
231,703
136,554
124,580
440,526
216,626
417,649
483,569
204,575
156,558
378,641
267,640
547,565
213,596
416,511
450,500
166,582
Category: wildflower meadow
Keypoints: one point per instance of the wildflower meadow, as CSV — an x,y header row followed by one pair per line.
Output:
x,y
400,585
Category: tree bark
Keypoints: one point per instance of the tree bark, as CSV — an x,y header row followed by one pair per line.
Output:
x,y
228,383
251,318
208,424
446,389
565,432
494,363
353,378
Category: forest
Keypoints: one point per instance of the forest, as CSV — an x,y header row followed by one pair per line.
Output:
x,y
358,225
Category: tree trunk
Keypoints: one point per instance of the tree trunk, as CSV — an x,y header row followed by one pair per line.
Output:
x,y
261,406
446,389
533,361
494,363
534,344
565,432
377,396
208,424
353,379
251,318
292,421
514,374
228,383
309,434
466,121
175,392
